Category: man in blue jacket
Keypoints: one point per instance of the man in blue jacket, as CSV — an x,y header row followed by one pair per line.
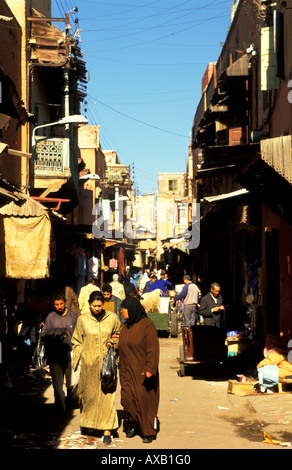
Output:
x,y
161,284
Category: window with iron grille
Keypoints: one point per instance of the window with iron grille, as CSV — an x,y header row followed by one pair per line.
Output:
x,y
49,155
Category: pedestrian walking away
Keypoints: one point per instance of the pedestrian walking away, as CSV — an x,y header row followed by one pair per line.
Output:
x,y
117,287
85,292
95,331
211,306
57,334
139,371
190,296
71,298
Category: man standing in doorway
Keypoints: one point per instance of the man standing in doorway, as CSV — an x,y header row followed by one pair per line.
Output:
x,y
211,306
190,297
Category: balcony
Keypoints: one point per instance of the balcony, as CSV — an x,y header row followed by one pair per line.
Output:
x,y
51,157
51,161
56,158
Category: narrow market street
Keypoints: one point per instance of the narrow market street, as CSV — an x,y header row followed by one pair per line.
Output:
x,y
196,412
181,197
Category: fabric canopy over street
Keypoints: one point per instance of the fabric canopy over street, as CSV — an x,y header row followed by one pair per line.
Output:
x,y
27,246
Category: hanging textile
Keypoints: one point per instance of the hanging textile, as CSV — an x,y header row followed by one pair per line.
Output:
x,y
27,246
113,264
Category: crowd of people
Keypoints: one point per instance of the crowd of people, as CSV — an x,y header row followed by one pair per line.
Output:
x,y
77,343
79,332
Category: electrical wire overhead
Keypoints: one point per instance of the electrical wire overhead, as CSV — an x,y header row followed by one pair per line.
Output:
x,y
138,120
144,84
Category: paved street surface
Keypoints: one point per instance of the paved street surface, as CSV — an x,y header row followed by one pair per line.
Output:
x,y
196,412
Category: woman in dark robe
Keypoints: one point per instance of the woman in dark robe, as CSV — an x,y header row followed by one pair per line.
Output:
x,y
139,375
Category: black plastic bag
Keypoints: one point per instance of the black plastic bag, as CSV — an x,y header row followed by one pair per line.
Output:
x,y
108,375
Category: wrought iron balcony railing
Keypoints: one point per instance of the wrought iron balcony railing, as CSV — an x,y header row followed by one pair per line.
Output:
x,y
51,157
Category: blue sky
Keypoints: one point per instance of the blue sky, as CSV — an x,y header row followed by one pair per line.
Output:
x,y
145,62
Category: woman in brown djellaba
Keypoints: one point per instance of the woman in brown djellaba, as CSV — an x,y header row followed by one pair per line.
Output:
x,y
95,331
139,374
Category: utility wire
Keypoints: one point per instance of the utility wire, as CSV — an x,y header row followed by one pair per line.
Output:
x,y
138,120
59,5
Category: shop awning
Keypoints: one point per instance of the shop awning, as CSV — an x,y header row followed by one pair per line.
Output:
x,y
178,243
7,196
276,152
23,206
3,147
147,244
211,114
214,170
239,68
113,242
223,197
228,154
110,243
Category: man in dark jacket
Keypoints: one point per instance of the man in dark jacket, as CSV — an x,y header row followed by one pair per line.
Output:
x,y
57,333
211,306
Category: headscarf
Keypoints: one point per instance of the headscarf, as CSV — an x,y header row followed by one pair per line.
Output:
x,y
130,290
136,311
273,343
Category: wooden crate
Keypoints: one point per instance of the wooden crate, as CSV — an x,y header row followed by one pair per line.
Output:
x,y
240,388
285,382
